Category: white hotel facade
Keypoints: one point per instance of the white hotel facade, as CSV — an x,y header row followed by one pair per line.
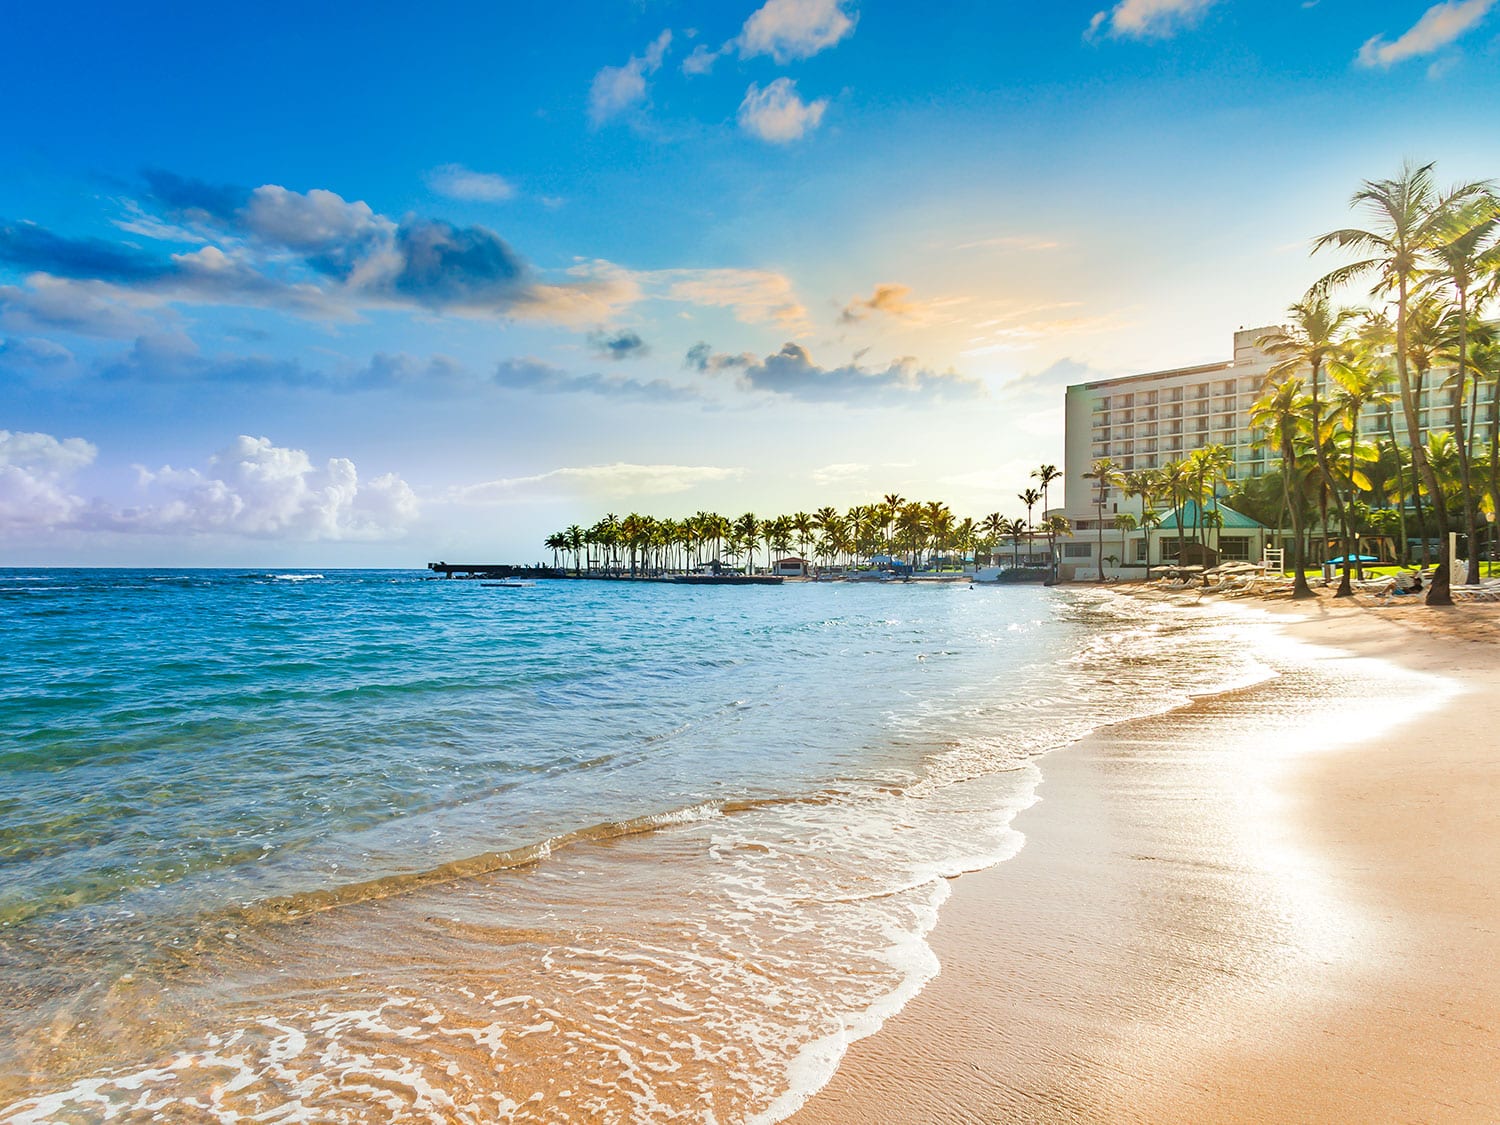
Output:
x,y
1144,421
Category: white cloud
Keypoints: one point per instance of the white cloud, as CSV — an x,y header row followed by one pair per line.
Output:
x,y
457,182
702,60
35,470
1439,26
618,480
794,29
777,114
617,88
1147,18
253,489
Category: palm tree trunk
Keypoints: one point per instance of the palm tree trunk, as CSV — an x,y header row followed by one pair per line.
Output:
x,y
1438,592
1300,588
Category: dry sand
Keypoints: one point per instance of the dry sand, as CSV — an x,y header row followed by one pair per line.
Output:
x,y
1217,917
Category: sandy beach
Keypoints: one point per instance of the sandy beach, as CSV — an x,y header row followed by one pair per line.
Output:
x,y
1278,904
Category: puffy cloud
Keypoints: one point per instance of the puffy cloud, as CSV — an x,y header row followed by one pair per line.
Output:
x,y
795,29
257,489
1439,26
457,182
792,373
35,470
253,488
778,114
530,374
325,229
1147,18
619,480
617,88
619,345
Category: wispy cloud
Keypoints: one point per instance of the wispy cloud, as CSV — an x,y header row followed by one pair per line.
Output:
x,y
1009,242
1441,25
617,88
619,480
792,373
754,296
1147,19
896,301
528,373
457,182
778,114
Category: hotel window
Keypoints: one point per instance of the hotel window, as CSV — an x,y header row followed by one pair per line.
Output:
x,y
1079,551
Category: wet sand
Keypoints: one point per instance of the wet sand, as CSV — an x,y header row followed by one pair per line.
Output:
x,y
1269,906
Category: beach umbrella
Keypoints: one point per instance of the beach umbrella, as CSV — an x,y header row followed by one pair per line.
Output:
x,y
1353,558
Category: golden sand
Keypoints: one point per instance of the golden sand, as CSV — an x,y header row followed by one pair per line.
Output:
x,y
1215,919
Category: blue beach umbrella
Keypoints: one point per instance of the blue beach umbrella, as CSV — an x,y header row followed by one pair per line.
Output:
x,y
1339,561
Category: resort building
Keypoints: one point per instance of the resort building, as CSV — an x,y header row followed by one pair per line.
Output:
x,y
1144,421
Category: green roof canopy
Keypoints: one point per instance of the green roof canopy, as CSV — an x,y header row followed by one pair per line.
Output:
x,y
1233,521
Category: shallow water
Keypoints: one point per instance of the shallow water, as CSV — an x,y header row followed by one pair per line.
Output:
x,y
360,846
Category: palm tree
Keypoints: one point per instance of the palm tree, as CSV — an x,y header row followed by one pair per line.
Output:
x,y
1106,475
802,524
1015,529
993,528
1054,526
1283,414
1314,340
575,544
1359,386
1045,475
1174,476
746,531
1407,214
1029,498
556,543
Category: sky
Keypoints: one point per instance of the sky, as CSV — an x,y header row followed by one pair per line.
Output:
x,y
367,285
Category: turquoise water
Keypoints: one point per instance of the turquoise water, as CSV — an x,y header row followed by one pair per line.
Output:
x,y
228,795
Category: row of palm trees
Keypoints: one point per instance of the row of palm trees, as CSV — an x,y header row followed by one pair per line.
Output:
x,y
919,532
1433,257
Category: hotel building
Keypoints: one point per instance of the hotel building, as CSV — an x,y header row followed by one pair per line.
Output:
x,y
1144,421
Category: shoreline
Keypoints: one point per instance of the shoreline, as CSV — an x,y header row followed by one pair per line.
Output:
x,y
1186,939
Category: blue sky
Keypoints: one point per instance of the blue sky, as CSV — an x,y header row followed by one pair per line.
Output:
x,y
359,285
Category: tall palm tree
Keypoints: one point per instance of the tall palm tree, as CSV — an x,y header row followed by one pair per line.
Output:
x,y
993,528
1358,386
1406,213
1106,475
1014,530
575,544
1045,475
1283,414
1029,498
747,530
557,542
1314,340
1174,476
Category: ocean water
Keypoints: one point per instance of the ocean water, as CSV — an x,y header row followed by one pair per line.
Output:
x,y
364,846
